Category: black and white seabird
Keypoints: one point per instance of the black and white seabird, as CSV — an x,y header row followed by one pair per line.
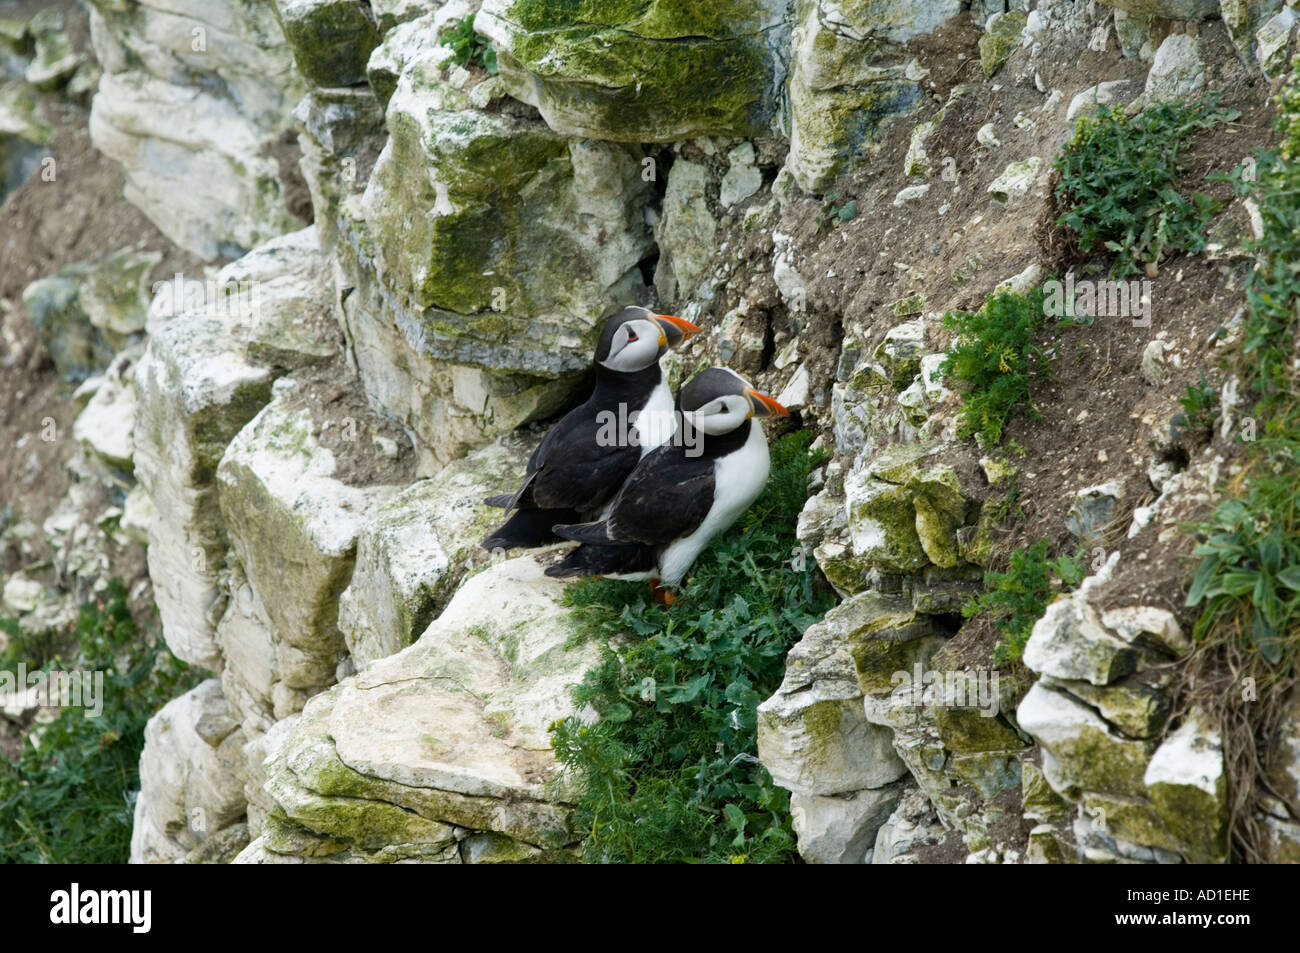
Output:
x,y
580,464
684,492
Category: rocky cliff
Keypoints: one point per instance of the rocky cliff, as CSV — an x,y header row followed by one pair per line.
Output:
x,y
372,246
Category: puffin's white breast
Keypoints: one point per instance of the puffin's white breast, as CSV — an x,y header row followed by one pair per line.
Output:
x,y
738,479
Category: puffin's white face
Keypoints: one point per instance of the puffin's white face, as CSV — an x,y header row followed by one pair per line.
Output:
x,y
637,344
721,415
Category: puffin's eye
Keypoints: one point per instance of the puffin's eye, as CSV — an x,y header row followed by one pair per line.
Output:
x,y
631,336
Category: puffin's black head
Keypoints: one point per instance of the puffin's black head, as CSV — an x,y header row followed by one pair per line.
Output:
x,y
719,400
636,337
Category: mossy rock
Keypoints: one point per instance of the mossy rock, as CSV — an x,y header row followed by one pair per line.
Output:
x,y
331,39
1000,40
632,71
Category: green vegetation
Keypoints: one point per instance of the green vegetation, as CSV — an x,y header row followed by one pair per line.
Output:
x,y
669,773
469,48
1017,598
1200,405
994,355
70,801
833,213
1119,177
1248,578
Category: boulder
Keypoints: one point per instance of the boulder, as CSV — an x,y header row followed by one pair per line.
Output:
x,y
812,734
196,387
293,530
331,39
848,75
649,72
191,776
1086,753
450,732
1177,71
414,552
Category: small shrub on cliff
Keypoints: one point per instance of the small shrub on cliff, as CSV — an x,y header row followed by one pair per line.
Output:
x,y
995,357
1119,179
70,800
1017,598
469,48
669,773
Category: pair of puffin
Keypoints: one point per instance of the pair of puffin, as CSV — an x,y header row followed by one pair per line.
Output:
x,y
646,506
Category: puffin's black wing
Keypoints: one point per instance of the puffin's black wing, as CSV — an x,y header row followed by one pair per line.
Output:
x,y
666,497
578,466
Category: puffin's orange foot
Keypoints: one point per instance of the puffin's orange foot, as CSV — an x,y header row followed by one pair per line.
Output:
x,y
665,597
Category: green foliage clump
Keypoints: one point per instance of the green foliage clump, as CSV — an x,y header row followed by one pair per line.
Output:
x,y
70,800
1248,578
1119,180
833,213
669,773
1200,405
469,48
1017,598
995,356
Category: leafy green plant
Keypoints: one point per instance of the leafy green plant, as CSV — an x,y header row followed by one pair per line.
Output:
x,y
1119,178
833,214
669,773
1200,405
71,799
469,48
1248,578
1250,563
1017,598
995,357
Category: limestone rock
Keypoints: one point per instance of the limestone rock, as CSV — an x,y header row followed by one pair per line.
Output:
x,y
1188,784
1243,18
450,731
1093,510
1103,94
194,392
1015,180
686,232
412,554
1069,642
1273,40
1086,754
1148,626
293,529
848,76
652,72
841,829
202,378
1000,39
191,776
446,188
812,734
1177,71
1168,9
116,293
168,137
331,39
53,304
106,426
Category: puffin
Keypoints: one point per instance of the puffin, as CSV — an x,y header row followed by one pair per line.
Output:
x,y
580,464
682,493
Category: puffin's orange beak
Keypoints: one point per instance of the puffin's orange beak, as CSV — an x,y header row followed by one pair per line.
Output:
x,y
676,330
763,405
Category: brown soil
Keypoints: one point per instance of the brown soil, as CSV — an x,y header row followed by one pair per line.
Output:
x,y
345,424
79,216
